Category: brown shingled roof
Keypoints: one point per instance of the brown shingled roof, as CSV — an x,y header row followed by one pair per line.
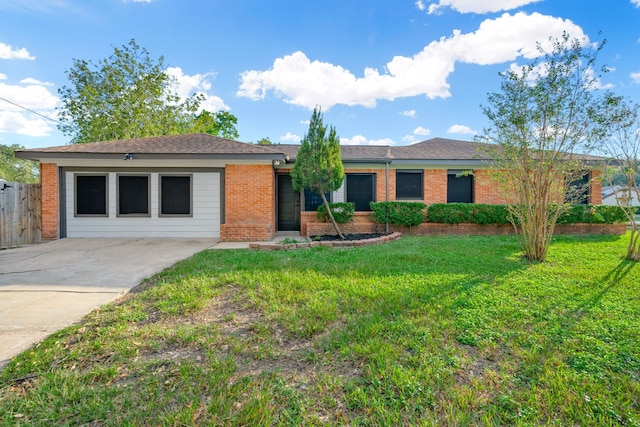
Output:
x,y
441,149
197,143
432,149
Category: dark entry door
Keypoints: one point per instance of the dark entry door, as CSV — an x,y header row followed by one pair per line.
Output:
x,y
288,205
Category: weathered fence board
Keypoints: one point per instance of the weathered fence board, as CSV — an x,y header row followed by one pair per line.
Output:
x,y
20,214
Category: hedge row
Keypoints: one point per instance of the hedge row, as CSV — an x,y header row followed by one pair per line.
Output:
x,y
414,213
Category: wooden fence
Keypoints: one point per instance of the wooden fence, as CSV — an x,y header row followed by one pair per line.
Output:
x,y
20,214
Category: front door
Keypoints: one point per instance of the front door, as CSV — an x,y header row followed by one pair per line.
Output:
x,y
288,205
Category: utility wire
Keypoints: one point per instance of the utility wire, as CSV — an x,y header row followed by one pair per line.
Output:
x,y
31,111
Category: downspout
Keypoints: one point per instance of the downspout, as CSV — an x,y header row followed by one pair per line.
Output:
x,y
386,171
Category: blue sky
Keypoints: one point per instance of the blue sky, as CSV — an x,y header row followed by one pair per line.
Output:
x,y
389,72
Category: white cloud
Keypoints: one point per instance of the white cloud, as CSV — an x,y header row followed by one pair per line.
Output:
x,y
8,52
23,124
635,76
420,5
478,6
421,131
32,81
636,3
3,76
462,130
362,140
409,139
409,113
299,81
198,83
305,122
289,137
32,96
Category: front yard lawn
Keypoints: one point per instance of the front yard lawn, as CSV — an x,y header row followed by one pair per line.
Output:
x,y
449,331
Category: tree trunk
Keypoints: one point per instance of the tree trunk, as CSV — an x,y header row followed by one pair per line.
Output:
x,y
333,221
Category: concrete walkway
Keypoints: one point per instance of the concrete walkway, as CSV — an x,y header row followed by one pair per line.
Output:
x,y
46,287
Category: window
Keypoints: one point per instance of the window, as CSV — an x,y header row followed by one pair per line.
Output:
x,y
175,195
579,190
91,195
313,200
459,187
409,185
360,189
133,195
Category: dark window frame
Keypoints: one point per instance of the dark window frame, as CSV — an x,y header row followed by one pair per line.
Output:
x,y
160,194
420,194
472,195
305,199
373,188
584,198
106,195
118,192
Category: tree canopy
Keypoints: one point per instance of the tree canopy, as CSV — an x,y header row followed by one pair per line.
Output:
x,y
129,95
318,165
621,144
15,169
545,116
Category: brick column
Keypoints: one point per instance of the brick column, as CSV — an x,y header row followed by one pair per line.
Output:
x,y
50,200
435,186
596,187
249,203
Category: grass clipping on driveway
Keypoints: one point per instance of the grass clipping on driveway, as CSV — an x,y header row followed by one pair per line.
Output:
x,y
422,331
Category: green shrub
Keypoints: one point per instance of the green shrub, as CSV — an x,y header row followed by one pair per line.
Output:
x,y
456,213
399,213
342,212
591,214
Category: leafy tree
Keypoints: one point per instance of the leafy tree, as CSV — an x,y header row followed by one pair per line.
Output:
x,y
543,116
318,165
15,169
221,124
128,95
622,146
264,141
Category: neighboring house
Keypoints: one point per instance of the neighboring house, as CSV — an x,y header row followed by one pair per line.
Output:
x,y
199,185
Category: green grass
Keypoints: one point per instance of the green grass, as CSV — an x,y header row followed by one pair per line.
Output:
x,y
449,331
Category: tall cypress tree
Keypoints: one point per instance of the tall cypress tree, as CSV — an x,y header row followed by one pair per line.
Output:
x,y
318,166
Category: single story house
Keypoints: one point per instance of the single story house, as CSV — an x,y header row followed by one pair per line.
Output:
x,y
199,185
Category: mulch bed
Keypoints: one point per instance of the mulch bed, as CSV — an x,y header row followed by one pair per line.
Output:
x,y
333,237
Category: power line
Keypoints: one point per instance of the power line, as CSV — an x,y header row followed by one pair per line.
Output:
x,y
31,111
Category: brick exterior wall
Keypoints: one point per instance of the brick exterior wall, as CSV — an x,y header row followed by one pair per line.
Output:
x,y
487,190
435,186
249,203
596,187
50,201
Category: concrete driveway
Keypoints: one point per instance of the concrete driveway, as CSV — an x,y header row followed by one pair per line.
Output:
x,y
46,287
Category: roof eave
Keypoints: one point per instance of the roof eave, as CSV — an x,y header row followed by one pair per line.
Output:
x,y
37,155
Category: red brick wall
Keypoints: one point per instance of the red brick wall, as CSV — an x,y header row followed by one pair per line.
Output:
x,y
487,189
435,186
249,203
50,200
596,187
